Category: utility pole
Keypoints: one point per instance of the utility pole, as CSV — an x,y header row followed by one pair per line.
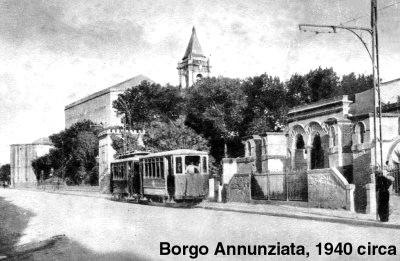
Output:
x,y
374,55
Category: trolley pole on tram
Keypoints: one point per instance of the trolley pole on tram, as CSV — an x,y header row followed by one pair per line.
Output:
x,y
374,55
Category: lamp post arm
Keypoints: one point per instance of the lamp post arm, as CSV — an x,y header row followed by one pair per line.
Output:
x,y
334,27
362,41
351,29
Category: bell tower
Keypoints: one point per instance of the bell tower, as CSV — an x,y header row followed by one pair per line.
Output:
x,y
194,64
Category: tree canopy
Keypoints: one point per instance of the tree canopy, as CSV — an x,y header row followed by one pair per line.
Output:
x,y
73,156
265,109
224,110
148,102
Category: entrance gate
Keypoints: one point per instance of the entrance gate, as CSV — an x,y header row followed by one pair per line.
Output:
x,y
280,186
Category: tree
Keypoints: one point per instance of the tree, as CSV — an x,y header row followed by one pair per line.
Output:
x,y
74,154
131,142
298,91
265,104
5,173
149,102
352,84
162,136
214,109
323,84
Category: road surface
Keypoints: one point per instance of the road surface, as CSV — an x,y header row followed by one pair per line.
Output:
x,y
100,229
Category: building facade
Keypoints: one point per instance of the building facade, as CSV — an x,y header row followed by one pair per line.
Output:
x,y
97,107
194,65
326,156
340,133
21,157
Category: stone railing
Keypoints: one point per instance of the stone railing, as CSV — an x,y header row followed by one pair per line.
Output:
x,y
327,188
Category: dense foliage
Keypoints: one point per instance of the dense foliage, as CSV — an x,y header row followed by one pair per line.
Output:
x,y
215,115
221,111
148,102
73,156
5,174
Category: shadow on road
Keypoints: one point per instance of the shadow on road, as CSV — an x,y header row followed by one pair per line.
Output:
x,y
67,249
13,221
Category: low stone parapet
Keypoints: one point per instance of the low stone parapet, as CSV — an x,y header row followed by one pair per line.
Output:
x,y
238,189
327,188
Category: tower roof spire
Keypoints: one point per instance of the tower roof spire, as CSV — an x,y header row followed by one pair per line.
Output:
x,y
193,48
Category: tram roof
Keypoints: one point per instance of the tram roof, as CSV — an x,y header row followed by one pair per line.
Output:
x,y
134,156
176,152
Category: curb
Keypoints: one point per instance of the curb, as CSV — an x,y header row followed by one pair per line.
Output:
x,y
77,194
348,221
66,193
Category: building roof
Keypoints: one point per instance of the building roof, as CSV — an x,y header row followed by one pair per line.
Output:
x,y
193,48
391,81
41,141
120,87
44,141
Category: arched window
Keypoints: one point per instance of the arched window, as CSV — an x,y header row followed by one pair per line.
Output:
x,y
359,131
199,76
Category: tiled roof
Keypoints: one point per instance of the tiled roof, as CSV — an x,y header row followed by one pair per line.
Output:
x,y
193,48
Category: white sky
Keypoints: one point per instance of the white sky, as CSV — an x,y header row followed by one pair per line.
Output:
x,y
54,52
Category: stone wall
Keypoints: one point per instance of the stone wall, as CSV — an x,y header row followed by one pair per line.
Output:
x,y
238,189
229,168
274,152
327,188
362,160
246,165
107,153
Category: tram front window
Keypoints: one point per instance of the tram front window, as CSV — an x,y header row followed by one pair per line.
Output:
x,y
192,164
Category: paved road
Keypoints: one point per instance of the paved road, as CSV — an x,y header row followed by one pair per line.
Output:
x,y
113,230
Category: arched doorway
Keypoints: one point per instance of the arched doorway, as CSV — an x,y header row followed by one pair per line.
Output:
x,y
317,153
299,160
299,142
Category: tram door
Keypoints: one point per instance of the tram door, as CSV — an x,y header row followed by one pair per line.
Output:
x,y
170,177
136,178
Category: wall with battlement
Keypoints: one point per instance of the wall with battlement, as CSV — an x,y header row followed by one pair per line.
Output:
x,y
107,153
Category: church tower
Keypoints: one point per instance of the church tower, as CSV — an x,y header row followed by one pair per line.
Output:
x,y
194,64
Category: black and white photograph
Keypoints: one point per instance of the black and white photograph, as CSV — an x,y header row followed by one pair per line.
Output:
x,y
199,130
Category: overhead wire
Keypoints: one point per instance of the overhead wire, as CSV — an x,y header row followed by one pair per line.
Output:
x,y
380,9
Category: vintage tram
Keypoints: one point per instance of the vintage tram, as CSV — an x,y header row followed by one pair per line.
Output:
x,y
169,176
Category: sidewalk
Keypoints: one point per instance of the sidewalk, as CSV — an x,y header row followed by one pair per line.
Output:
x,y
271,208
75,191
318,214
